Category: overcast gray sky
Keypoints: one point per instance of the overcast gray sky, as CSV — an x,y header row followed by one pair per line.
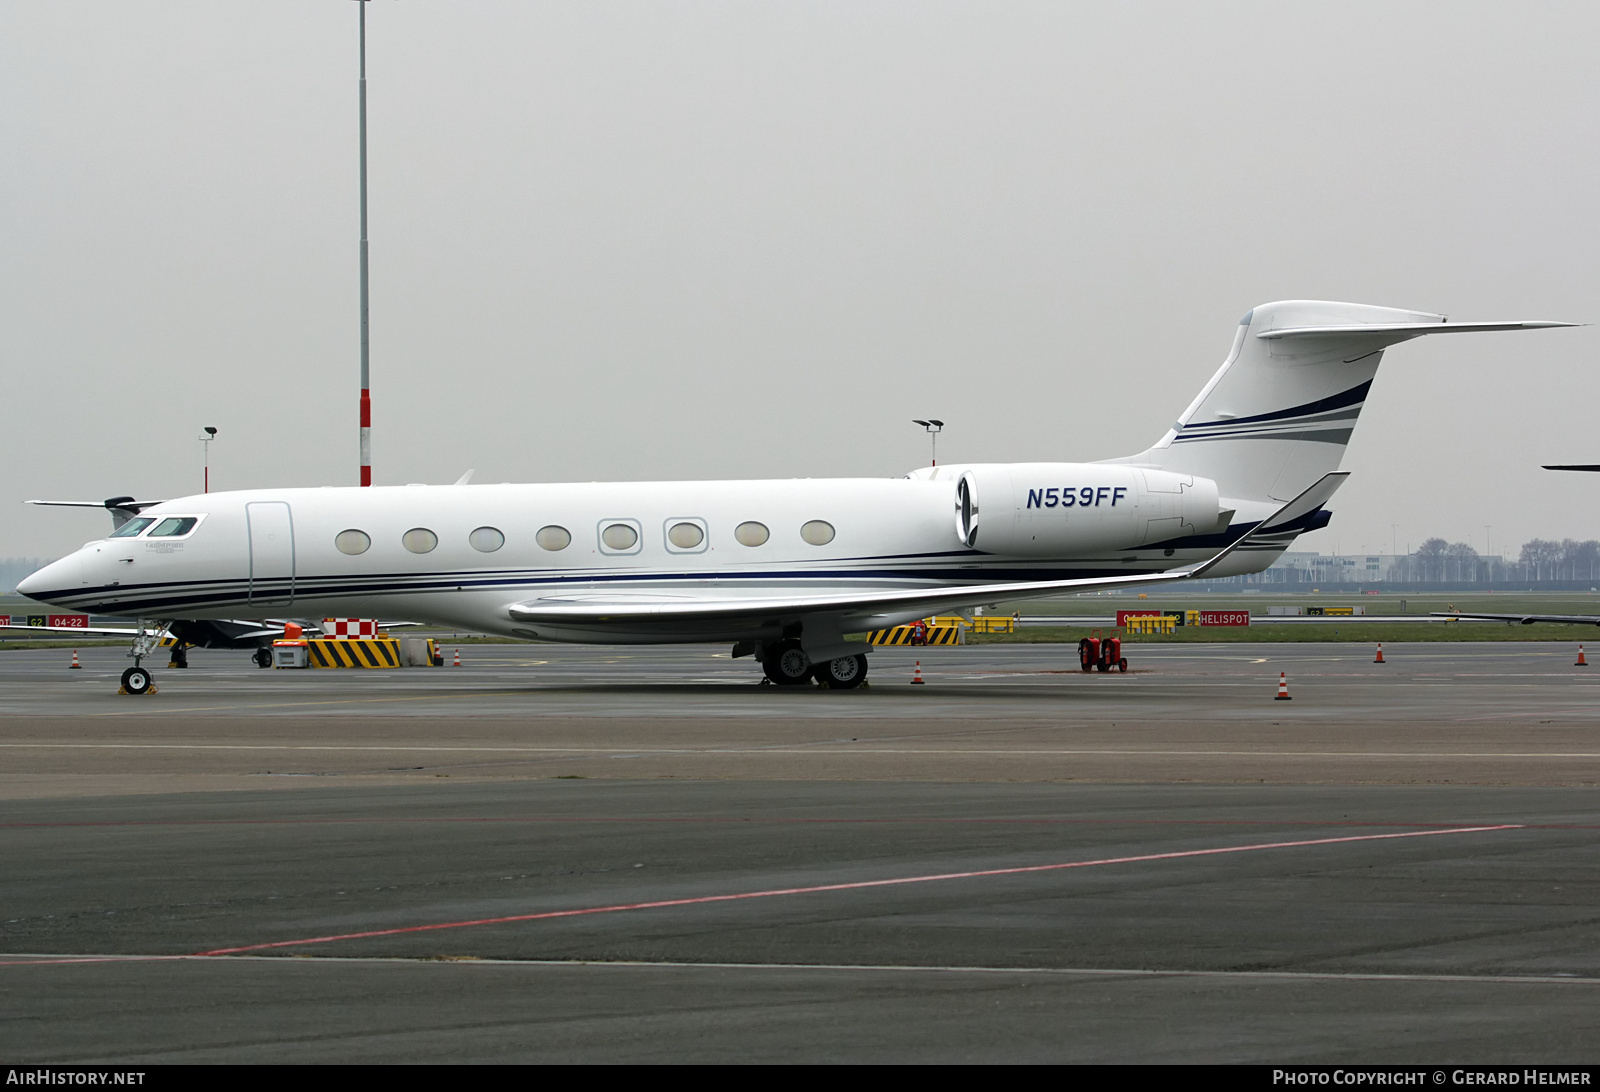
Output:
x,y
699,240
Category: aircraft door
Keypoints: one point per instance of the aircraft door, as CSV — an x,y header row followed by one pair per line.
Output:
x,y
271,552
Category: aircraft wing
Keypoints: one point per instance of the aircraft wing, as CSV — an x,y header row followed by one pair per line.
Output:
x,y
76,631
1525,619
584,608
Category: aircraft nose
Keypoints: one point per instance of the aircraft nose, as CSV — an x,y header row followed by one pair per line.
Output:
x,y
59,578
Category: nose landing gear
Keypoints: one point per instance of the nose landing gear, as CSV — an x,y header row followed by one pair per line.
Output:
x,y
136,680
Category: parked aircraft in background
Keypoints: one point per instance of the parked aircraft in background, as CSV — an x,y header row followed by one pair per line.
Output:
x,y
783,570
1530,619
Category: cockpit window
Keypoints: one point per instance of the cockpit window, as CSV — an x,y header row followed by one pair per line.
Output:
x,y
132,527
174,525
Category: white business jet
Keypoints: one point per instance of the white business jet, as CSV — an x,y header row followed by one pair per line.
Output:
x,y
782,569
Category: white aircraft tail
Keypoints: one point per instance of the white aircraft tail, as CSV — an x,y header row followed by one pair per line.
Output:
x,y
1277,415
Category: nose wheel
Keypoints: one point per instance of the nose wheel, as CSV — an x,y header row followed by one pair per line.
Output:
x,y
136,680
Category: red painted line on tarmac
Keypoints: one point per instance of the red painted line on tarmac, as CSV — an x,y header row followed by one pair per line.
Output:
x,y
851,886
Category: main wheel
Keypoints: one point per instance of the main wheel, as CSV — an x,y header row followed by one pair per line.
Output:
x,y
263,657
843,673
788,665
136,680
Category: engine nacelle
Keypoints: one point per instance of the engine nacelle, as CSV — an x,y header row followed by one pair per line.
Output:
x,y
1067,509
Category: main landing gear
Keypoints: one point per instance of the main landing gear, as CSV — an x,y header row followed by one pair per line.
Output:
x,y
786,664
262,656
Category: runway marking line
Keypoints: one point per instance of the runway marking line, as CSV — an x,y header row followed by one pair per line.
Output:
x,y
856,885
29,959
820,749
753,821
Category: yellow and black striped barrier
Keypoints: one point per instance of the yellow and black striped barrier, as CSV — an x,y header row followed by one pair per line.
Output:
x,y
365,652
901,635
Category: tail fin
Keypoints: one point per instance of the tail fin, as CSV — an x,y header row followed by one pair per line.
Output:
x,y
1277,415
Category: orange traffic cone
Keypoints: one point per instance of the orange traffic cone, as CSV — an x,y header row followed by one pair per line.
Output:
x,y
1581,661
79,666
458,658
916,678
1379,660
1283,687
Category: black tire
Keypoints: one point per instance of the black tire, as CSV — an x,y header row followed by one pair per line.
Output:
x,y
263,657
788,665
136,680
1122,665
843,673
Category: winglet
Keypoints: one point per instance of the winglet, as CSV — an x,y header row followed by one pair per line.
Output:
x,y
1320,492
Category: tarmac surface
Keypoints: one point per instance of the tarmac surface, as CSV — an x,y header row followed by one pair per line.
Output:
x,y
581,854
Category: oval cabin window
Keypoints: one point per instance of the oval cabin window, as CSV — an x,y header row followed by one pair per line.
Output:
x,y
751,533
619,536
486,540
685,536
352,542
419,540
553,538
819,532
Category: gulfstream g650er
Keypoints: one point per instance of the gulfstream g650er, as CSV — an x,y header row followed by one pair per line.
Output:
x,y
781,569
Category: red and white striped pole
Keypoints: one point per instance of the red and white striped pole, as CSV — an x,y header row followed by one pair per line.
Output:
x,y
366,384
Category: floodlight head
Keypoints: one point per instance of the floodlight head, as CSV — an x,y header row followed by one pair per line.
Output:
x,y
210,431
919,421
931,421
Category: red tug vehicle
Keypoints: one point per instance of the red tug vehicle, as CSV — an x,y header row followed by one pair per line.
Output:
x,y
1101,654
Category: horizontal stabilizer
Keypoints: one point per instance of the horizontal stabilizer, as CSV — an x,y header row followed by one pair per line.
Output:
x,y
1404,330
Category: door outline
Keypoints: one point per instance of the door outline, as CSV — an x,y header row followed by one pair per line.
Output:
x,y
250,533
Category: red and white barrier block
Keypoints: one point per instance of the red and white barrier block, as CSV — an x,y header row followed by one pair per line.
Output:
x,y
350,629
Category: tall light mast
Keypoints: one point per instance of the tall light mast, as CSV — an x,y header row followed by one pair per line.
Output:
x,y
366,378
934,426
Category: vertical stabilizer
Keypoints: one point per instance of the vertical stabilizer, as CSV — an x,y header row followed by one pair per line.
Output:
x,y
1278,413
